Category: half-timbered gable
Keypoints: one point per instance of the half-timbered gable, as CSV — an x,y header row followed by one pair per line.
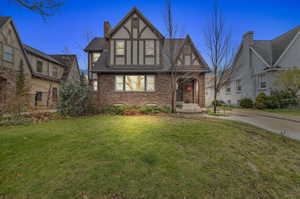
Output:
x,y
188,56
135,41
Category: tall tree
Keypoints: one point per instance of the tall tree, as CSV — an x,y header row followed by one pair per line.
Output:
x,y
44,8
171,52
171,29
219,47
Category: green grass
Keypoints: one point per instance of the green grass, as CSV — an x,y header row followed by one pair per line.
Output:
x,y
146,157
292,112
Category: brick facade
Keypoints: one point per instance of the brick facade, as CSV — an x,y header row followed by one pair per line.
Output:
x,y
106,94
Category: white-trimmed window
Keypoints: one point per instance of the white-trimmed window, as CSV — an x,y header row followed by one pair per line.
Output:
x,y
8,53
149,48
120,47
150,84
135,83
119,83
262,83
238,85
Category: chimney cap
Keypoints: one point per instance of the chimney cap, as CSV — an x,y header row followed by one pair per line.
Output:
x,y
249,33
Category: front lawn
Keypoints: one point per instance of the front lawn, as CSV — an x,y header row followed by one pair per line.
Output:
x,y
108,157
292,112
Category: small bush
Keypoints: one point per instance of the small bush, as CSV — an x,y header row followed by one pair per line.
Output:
x,y
218,102
179,106
75,100
135,110
246,103
261,101
283,99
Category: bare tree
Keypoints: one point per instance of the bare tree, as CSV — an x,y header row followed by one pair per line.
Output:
x,y
44,8
172,51
219,47
171,29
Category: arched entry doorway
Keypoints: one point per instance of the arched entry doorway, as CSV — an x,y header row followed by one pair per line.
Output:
x,y
187,90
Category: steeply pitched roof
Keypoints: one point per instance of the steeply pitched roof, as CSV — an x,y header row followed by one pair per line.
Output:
x,y
68,60
3,20
279,44
97,44
264,48
40,54
271,50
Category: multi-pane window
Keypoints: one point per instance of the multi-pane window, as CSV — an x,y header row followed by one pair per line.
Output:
x,y
134,83
150,82
54,94
228,89
120,48
149,48
119,83
55,71
39,96
39,66
95,56
262,81
138,83
238,85
8,53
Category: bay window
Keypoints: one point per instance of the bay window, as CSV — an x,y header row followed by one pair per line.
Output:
x,y
135,83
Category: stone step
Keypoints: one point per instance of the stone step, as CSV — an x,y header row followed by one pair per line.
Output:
x,y
189,108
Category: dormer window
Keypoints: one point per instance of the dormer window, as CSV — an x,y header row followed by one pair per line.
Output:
x,y
39,66
120,48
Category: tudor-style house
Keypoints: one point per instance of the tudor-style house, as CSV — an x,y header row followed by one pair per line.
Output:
x,y
130,65
12,59
257,64
44,73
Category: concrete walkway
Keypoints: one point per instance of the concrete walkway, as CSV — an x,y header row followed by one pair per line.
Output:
x,y
277,123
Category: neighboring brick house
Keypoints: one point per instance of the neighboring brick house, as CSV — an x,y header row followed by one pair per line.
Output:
x,y
130,65
258,64
45,72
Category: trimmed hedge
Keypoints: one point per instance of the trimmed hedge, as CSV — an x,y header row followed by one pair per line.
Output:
x,y
135,110
246,103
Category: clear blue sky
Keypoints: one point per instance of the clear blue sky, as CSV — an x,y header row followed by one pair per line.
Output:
x,y
68,28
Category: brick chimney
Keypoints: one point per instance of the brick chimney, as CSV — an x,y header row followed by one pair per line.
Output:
x,y
106,28
248,37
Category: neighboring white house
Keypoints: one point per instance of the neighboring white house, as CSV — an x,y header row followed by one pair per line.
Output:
x,y
257,64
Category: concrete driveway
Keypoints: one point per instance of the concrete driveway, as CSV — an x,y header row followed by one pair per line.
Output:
x,y
277,123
